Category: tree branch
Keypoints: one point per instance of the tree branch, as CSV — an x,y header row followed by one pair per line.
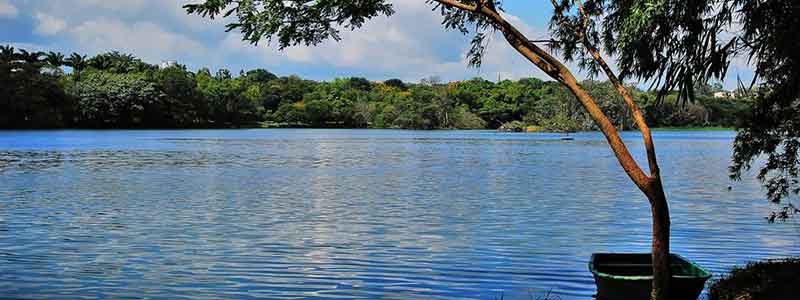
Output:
x,y
553,67
547,41
626,96
558,71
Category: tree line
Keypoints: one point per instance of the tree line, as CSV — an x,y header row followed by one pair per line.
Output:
x,y
116,90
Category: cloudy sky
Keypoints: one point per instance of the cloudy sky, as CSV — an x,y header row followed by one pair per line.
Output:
x,y
409,45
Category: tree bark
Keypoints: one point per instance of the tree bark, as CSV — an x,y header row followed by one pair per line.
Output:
x,y
650,185
661,256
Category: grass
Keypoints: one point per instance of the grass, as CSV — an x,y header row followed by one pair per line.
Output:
x,y
771,279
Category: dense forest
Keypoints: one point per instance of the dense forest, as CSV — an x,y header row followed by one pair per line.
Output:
x,y
115,90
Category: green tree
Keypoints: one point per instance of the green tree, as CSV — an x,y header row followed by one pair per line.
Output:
x,y
54,61
114,100
318,112
30,98
288,89
771,128
77,62
117,62
258,76
182,104
290,113
678,45
394,82
227,105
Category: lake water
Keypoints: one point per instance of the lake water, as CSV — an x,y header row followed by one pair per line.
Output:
x,y
353,214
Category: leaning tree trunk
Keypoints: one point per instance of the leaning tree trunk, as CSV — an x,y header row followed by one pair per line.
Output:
x,y
650,185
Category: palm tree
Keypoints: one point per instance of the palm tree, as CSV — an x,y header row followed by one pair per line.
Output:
x,y
54,59
6,53
30,57
101,61
76,61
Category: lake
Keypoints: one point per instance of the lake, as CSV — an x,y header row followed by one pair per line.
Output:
x,y
354,214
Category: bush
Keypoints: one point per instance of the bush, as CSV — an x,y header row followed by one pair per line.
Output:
x,y
513,126
291,113
771,279
561,123
464,119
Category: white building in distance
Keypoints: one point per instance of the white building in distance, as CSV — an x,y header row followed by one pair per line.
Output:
x,y
167,63
724,94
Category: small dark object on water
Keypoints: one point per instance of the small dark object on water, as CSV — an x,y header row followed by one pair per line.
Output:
x,y
629,276
567,138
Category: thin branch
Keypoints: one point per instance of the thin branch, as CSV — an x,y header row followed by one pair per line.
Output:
x,y
553,67
626,96
558,71
457,4
585,19
548,41
565,23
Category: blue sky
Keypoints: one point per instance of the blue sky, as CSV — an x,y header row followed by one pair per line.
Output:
x,y
409,45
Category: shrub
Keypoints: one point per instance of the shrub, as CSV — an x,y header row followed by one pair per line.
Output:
x,y
771,279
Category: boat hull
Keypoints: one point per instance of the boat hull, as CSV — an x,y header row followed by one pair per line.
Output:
x,y
629,276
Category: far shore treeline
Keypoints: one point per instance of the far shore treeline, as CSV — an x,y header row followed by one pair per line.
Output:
x,y
115,90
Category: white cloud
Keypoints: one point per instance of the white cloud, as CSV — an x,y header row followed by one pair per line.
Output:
x,y
49,25
410,45
144,39
126,6
7,10
502,61
300,54
232,45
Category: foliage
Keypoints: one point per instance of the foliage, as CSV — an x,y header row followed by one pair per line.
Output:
x,y
116,62
182,104
772,126
290,23
114,100
771,279
561,123
120,91
29,97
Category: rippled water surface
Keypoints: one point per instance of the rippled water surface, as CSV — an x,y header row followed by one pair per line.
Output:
x,y
352,214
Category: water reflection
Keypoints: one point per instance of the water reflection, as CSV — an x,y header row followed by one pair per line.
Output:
x,y
327,214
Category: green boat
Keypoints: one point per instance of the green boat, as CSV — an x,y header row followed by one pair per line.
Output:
x,y
629,276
